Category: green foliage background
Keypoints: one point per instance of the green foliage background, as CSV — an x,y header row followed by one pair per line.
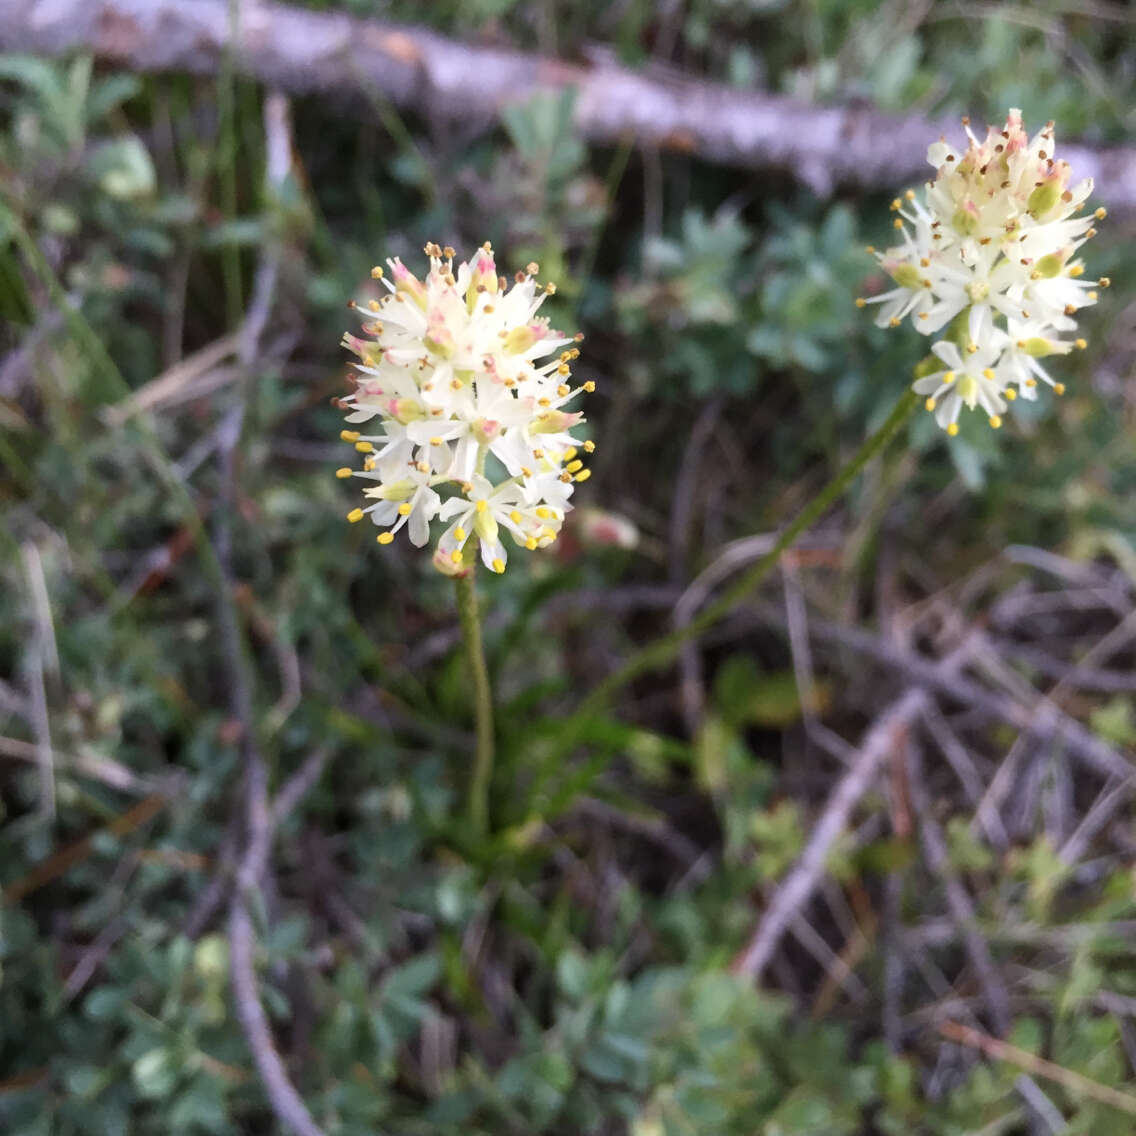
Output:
x,y
569,974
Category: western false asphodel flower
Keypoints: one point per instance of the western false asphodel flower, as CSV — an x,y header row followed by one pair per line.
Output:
x,y
471,411
989,259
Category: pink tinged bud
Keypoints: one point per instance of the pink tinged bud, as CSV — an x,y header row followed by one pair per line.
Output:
x,y
408,284
485,272
520,339
406,410
445,563
599,527
486,430
439,339
555,421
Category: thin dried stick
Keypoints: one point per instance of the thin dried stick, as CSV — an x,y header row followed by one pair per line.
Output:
x,y
1038,1066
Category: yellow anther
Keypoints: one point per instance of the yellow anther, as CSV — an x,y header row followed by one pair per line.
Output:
x,y
897,223
530,544
569,453
373,305
364,447
481,506
971,348
385,537
459,534
583,475
422,467
455,384
861,302
456,556
344,472
949,377
589,386
355,515
532,268
563,390
895,205
515,517
1091,297
543,513
404,509
910,195
988,373
435,441
349,435
995,422
893,322
573,466
1105,282
953,429
930,404
377,272
1010,394
498,565
1077,270
589,446
1058,388
1101,213
368,465
1031,382
550,289
544,402
1080,344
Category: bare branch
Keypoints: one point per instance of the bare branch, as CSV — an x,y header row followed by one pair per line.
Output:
x,y
304,51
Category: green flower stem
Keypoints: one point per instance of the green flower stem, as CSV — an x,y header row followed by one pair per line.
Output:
x,y
666,648
470,620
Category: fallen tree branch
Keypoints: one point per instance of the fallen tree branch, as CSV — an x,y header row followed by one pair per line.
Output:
x,y
304,51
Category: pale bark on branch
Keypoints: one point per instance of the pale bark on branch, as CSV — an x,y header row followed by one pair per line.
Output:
x,y
303,51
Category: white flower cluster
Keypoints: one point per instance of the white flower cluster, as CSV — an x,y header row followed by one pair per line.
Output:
x,y
991,257
452,374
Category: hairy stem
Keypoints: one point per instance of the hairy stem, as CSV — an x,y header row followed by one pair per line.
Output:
x,y
470,620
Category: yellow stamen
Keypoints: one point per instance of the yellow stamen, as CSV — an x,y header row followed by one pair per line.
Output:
x,y
953,429
1010,394
376,273
1058,388
435,441
456,556
404,509
515,517
349,435
459,534
530,544
385,537
996,422
589,446
571,467
930,404
861,302
949,377
364,447
583,475
344,472
1080,344
589,386
355,515
498,565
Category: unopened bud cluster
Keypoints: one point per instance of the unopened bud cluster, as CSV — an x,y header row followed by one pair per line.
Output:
x,y
989,258
473,427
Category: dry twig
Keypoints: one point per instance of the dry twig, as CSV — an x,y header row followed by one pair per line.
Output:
x,y
305,51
